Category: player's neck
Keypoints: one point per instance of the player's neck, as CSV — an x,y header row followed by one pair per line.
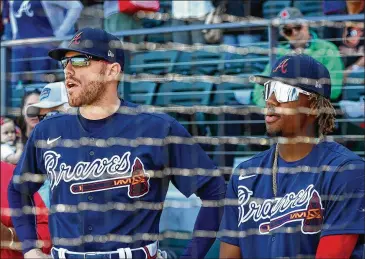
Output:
x,y
295,152
102,109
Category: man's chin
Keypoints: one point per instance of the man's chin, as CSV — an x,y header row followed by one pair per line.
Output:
x,y
273,134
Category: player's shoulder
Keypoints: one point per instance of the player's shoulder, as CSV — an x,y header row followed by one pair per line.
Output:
x,y
147,113
59,120
337,154
257,158
249,166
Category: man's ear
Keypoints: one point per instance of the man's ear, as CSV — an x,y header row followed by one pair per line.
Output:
x,y
115,70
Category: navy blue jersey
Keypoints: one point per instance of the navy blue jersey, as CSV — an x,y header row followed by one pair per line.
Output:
x,y
319,195
104,175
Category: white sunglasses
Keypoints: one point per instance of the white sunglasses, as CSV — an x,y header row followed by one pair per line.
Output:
x,y
283,92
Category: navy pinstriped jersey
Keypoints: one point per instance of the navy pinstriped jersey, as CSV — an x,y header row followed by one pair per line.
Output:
x,y
107,184
319,195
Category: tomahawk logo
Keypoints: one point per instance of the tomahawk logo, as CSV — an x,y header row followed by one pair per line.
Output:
x,y
137,183
311,218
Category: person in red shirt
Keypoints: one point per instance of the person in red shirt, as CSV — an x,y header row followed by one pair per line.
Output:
x,y
9,248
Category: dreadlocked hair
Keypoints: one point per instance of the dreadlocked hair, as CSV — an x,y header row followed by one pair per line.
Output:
x,y
325,113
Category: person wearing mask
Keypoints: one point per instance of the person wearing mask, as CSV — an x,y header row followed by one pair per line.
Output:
x,y
25,123
53,100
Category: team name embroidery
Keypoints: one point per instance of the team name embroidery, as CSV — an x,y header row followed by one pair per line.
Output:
x,y
134,178
311,216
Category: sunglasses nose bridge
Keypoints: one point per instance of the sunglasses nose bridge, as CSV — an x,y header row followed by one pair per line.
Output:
x,y
65,62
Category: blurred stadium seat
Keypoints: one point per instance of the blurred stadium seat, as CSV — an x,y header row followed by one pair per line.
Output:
x,y
186,94
143,92
198,62
225,92
154,62
353,91
182,93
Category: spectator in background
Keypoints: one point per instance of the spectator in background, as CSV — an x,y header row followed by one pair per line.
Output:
x,y
301,39
11,147
8,235
37,19
187,13
241,8
353,41
53,99
92,15
115,21
25,123
334,7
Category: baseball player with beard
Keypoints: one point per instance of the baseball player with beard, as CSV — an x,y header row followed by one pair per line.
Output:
x,y
299,199
106,192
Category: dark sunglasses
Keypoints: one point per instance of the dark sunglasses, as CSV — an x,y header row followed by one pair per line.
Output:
x,y
79,61
289,31
41,117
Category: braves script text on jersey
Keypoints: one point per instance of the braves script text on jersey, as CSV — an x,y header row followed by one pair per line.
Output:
x,y
324,197
100,172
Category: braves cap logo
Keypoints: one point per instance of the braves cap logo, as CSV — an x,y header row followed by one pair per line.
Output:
x,y
76,39
283,66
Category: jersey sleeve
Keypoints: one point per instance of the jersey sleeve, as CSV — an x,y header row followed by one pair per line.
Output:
x,y
344,207
28,164
230,215
185,155
20,194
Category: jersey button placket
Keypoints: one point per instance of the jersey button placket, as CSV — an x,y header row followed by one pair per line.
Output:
x,y
90,228
91,153
90,197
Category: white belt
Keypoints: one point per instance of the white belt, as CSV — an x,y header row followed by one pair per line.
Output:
x,y
124,253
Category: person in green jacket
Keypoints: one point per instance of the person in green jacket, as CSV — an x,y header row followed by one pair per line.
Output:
x,y
301,39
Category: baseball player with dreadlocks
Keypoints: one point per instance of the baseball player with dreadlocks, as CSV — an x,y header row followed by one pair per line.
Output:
x,y
300,198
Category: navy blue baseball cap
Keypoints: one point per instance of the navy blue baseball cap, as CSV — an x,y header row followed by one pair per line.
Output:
x,y
94,42
301,71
